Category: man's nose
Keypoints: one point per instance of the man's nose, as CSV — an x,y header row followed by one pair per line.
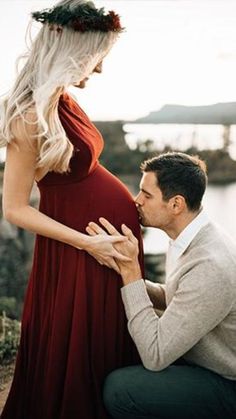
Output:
x,y
138,200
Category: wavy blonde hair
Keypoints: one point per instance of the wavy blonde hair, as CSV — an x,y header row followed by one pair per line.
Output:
x,y
53,62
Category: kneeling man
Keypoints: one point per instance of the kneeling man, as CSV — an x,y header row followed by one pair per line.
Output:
x,y
189,352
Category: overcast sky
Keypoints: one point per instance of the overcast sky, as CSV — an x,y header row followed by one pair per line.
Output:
x,y
172,52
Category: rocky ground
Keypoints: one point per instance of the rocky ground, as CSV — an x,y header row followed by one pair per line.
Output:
x,y
6,373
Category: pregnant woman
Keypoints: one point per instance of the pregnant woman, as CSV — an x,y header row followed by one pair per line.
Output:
x,y
73,325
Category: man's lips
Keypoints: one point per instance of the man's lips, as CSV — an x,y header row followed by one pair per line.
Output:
x,y
140,215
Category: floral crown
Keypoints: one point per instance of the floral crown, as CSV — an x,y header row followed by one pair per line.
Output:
x,y
82,18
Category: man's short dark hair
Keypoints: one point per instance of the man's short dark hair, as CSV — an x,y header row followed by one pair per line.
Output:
x,y
179,174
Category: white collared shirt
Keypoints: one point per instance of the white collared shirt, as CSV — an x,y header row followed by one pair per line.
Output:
x,y
178,246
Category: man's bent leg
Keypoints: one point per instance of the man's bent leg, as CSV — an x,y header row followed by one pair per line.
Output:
x,y
177,392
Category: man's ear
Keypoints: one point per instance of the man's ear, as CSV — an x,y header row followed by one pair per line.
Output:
x,y
178,204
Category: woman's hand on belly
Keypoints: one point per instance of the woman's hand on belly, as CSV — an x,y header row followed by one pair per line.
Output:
x,y
100,246
128,268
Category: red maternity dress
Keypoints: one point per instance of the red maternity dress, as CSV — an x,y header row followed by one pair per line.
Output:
x,y
74,330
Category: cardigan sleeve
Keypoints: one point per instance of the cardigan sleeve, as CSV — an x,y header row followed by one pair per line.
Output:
x,y
198,305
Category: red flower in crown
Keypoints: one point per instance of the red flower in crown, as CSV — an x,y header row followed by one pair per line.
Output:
x,y
115,21
79,26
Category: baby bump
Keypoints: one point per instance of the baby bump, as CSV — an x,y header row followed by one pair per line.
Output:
x,y
108,197
100,194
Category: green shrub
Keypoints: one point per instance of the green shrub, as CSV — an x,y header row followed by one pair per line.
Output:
x,y
9,339
9,306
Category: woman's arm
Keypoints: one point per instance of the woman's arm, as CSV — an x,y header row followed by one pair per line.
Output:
x,y
19,177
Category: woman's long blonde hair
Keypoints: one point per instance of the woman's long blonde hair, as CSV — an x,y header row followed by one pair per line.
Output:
x,y
54,61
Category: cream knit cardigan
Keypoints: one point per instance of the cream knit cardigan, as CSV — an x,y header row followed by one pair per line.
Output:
x,y
199,322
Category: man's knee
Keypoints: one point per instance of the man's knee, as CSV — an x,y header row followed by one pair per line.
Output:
x,y
116,392
111,391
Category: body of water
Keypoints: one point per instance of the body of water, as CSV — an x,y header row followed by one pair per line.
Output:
x,y
180,136
220,204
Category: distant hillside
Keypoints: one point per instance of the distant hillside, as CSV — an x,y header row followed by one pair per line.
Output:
x,y
220,113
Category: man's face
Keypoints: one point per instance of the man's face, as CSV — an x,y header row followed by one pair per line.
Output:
x,y
153,211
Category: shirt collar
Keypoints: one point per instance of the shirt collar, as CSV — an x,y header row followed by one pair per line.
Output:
x,y
180,244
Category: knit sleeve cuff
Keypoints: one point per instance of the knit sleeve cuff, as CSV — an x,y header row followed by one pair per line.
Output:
x,y
135,298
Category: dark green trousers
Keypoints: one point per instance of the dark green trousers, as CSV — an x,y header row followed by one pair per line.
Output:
x,y
178,392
